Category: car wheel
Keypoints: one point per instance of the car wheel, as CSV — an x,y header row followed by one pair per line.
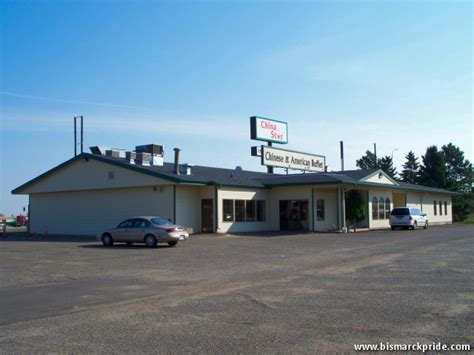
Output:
x,y
172,244
150,241
107,240
426,225
414,226
393,228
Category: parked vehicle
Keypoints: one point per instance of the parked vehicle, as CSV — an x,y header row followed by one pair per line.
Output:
x,y
407,217
150,230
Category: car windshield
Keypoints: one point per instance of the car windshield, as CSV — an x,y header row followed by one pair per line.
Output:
x,y
400,212
160,221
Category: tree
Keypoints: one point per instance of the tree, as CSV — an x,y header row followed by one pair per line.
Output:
x,y
459,179
386,164
458,169
355,211
368,161
410,172
433,171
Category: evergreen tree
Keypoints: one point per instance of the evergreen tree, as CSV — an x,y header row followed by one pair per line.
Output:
x,y
459,179
355,211
458,169
368,161
386,164
433,170
410,172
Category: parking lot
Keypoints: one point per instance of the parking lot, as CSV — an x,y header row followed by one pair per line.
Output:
x,y
257,294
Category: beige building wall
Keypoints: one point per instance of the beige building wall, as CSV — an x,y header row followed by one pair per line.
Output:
x,y
377,223
233,193
414,200
89,175
288,193
428,208
88,212
188,207
330,221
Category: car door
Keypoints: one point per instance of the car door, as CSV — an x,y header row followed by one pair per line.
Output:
x,y
122,231
139,230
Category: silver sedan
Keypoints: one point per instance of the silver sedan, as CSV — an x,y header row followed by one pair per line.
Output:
x,y
150,230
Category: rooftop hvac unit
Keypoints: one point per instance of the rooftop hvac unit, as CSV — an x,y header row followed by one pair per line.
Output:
x,y
131,156
153,149
113,153
143,158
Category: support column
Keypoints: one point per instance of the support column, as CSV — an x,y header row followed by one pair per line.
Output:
x,y
343,207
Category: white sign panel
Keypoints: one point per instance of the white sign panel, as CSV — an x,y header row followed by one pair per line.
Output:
x,y
282,158
269,130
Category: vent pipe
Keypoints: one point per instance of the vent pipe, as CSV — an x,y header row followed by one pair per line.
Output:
x,y
342,156
176,160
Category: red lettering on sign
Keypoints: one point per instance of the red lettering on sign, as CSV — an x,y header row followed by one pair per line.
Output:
x,y
267,125
278,136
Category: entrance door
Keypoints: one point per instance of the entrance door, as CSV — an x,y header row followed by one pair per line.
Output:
x,y
207,216
294,215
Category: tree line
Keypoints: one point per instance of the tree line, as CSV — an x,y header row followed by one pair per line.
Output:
x,y
444,168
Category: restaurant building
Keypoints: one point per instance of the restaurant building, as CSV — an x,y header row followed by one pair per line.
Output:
x,y
91,192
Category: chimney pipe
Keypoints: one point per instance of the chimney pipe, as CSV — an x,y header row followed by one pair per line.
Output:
x,y
176,160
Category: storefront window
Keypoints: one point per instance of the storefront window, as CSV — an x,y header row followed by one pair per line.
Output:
x,y
434,207
320,210
387,208
445,208
375,208
381,208
440,208
260,211
250,211
228,210
240,210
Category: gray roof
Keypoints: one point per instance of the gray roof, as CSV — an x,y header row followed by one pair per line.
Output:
x,y
244,178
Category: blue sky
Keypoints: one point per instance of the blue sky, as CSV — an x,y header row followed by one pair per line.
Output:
x,y
189,74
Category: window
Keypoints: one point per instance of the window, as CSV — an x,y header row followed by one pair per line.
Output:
x,y
228,211
160,221
434,208
261,211
141,223
240,210
126,224
440,208
250,211
320,210
243,211
445,208
381,208
375,208
387,207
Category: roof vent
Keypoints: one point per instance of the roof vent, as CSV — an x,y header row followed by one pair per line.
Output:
x,y
185,169
97,150
238,168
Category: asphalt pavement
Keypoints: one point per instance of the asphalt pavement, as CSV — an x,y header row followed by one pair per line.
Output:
x,y
302,293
